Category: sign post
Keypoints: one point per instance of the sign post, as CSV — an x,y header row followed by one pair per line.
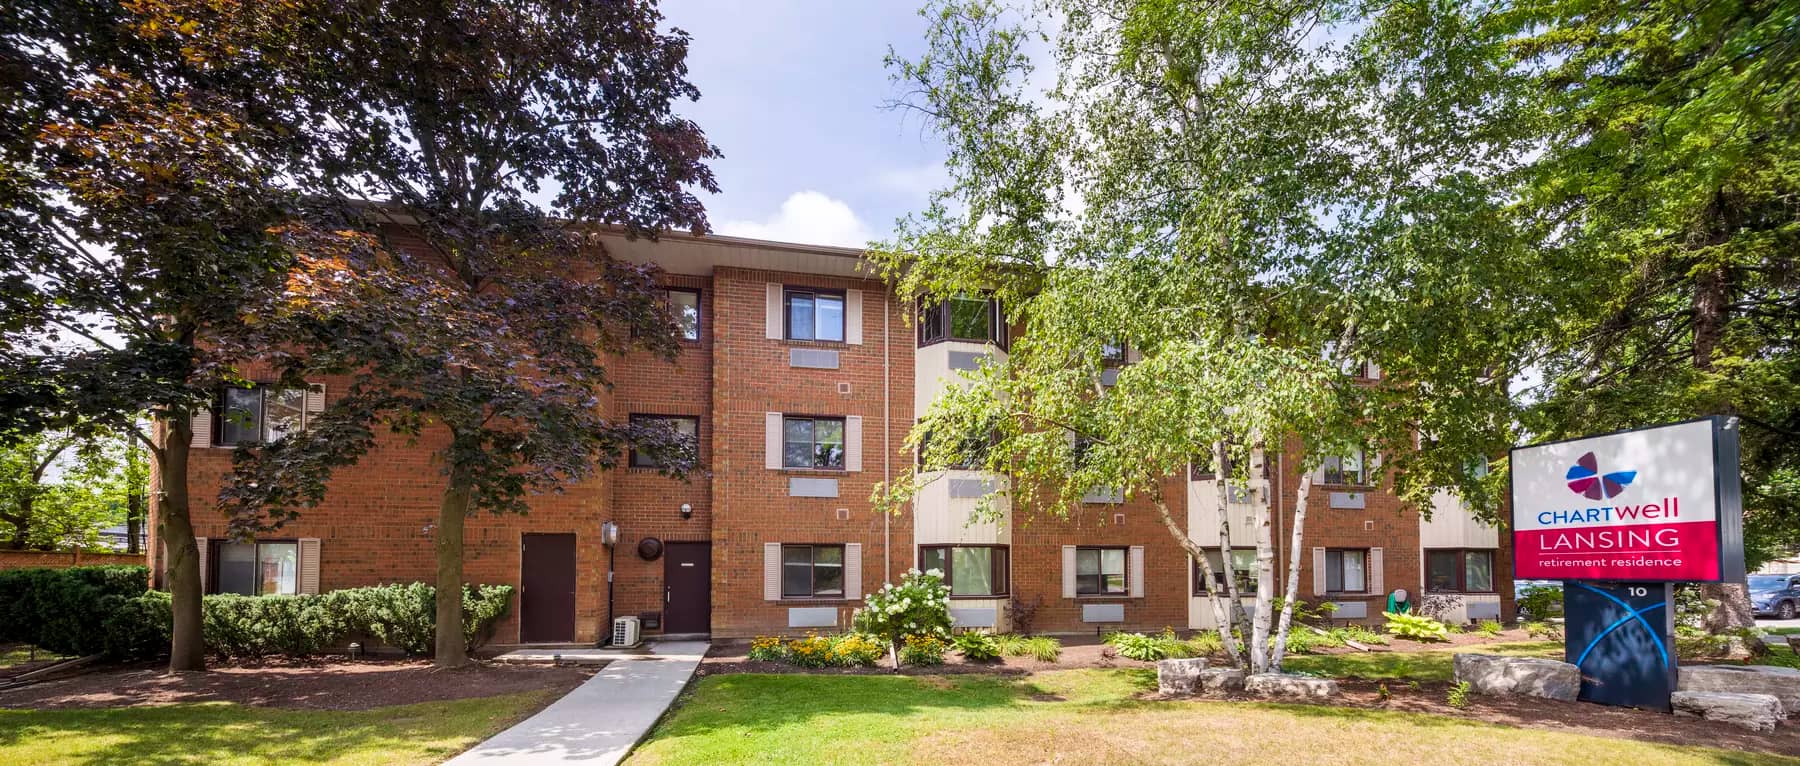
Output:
x,y
1621,518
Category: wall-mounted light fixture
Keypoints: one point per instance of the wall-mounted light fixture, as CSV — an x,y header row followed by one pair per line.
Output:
x,y
687,511
609,534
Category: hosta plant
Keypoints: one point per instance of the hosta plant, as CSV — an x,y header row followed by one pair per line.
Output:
x,y
1416,627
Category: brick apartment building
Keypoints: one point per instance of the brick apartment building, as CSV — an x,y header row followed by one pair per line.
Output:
x,y
800,377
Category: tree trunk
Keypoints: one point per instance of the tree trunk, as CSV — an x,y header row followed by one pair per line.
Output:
x,y
187,648
1712,306
1220,618
1732,611
1265,559
1234,601
134,521
452,649
21,525
1293,573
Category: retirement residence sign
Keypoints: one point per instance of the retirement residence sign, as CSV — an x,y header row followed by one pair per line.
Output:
x,y
1657,504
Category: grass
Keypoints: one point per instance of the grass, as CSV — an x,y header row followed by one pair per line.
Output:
x,y
14,654
1426,665
1088,717
225,733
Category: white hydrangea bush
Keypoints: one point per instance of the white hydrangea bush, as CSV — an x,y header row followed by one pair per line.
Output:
x,y
918,605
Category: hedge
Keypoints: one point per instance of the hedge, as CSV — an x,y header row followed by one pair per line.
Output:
x,y
106,610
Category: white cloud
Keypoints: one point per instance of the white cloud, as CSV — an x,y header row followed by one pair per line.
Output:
x,y
806,217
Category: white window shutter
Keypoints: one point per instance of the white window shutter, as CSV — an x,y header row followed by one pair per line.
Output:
x,y
853,313
1068,573
853,571
1377,583
772,441
202,425
1374,371
771,571
1136,574
309,565
1318,572
315,399
775,328
202,543
853,442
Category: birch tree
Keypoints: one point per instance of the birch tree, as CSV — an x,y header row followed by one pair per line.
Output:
x,y
1254,198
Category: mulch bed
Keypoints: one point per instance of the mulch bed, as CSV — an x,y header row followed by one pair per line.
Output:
x,y
1077,652
318,684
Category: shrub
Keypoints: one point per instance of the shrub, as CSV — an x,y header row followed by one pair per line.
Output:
x,y
255,626
977,646
60,610
483,608
1359,634
923,649
810,652
1022,613
1303,641
1541,602
401,616
1417,627
1137,646
855,650
1548,630
1490,627
137,627
1040,648
767,649
918,605
1459,695
1204,644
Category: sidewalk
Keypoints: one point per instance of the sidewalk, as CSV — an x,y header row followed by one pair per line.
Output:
x,y
602,719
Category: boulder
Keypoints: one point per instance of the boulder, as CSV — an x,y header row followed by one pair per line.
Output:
x,y
1521,676
1177,677
1781,683
1284,685
1221,680
1757,712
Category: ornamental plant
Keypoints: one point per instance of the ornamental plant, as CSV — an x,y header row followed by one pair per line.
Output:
x,y
767,648
918,605
924,649
1417,627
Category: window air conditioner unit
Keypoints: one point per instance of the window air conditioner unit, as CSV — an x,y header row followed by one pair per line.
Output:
x,y
627,631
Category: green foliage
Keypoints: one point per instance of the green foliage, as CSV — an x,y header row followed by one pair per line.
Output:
x,y
1490,627
842,650
813,651
917,605
1165,645
978,646
254,626
1459,695
62,610
1544,629
1382,693
923,649
1302,640
1417,627
1360,635
1040,648
767,649
1205,643
58,489
137,627
1542,602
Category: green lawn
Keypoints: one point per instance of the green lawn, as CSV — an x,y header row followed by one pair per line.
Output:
x,y
1427,665
224,733
1088,717
14,654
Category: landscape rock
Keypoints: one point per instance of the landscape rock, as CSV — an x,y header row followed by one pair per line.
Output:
x,y
1284,685
1520,676
1781,683
1757,712
1177,677
1221,680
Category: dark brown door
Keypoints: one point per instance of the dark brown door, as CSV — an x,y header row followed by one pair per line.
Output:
x,y
687,578
547,588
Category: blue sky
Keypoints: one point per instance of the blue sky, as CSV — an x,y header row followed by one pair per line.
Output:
x,y
792,93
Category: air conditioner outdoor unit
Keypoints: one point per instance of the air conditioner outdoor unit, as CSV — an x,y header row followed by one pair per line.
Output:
x,y
627,631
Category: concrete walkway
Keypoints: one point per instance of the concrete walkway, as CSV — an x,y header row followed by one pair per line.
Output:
x,y
602,719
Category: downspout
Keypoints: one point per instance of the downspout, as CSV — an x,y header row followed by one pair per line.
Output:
x,y
887,448
1280,497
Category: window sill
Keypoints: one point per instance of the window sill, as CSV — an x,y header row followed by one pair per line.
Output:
x,y
814,343
1351,594
818,600
1346,487
814,471
981,598
1106,597
1462,593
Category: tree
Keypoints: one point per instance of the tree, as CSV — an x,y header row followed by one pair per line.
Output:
x,y
476,315
1251,208
140,194
1671,162
58,490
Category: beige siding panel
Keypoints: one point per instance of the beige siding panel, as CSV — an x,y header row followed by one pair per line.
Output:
x,y
773,326
1068,571
1318,568
1377,580
853,317
771,571
202,425
772,441
853,442
309,565
1136,569
853,571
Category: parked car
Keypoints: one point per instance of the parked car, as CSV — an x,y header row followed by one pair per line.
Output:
x,y
1775,596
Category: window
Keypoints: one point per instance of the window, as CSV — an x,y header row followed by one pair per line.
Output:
x,y
814,315
684,304
812,571
813,443
1243,571
258,415
1454,570
257,569
969,570
971,453
1346,469
964,318
1100,571
1113,353
687,426
1346,571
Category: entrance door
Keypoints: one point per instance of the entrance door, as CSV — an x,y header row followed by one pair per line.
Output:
x,y
547,588
687,579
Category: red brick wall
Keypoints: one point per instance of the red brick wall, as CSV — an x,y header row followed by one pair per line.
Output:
x,y
66,559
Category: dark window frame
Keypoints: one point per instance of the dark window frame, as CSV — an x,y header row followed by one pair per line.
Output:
x,y
1246,577
214,558
787,312
637,417
1363,553
1461,584
699,313
812,572
844,454
261,424
999,568
1124,575
935,325
1365,472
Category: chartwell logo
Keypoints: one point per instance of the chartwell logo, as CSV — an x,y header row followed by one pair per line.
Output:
x,y
1586,480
